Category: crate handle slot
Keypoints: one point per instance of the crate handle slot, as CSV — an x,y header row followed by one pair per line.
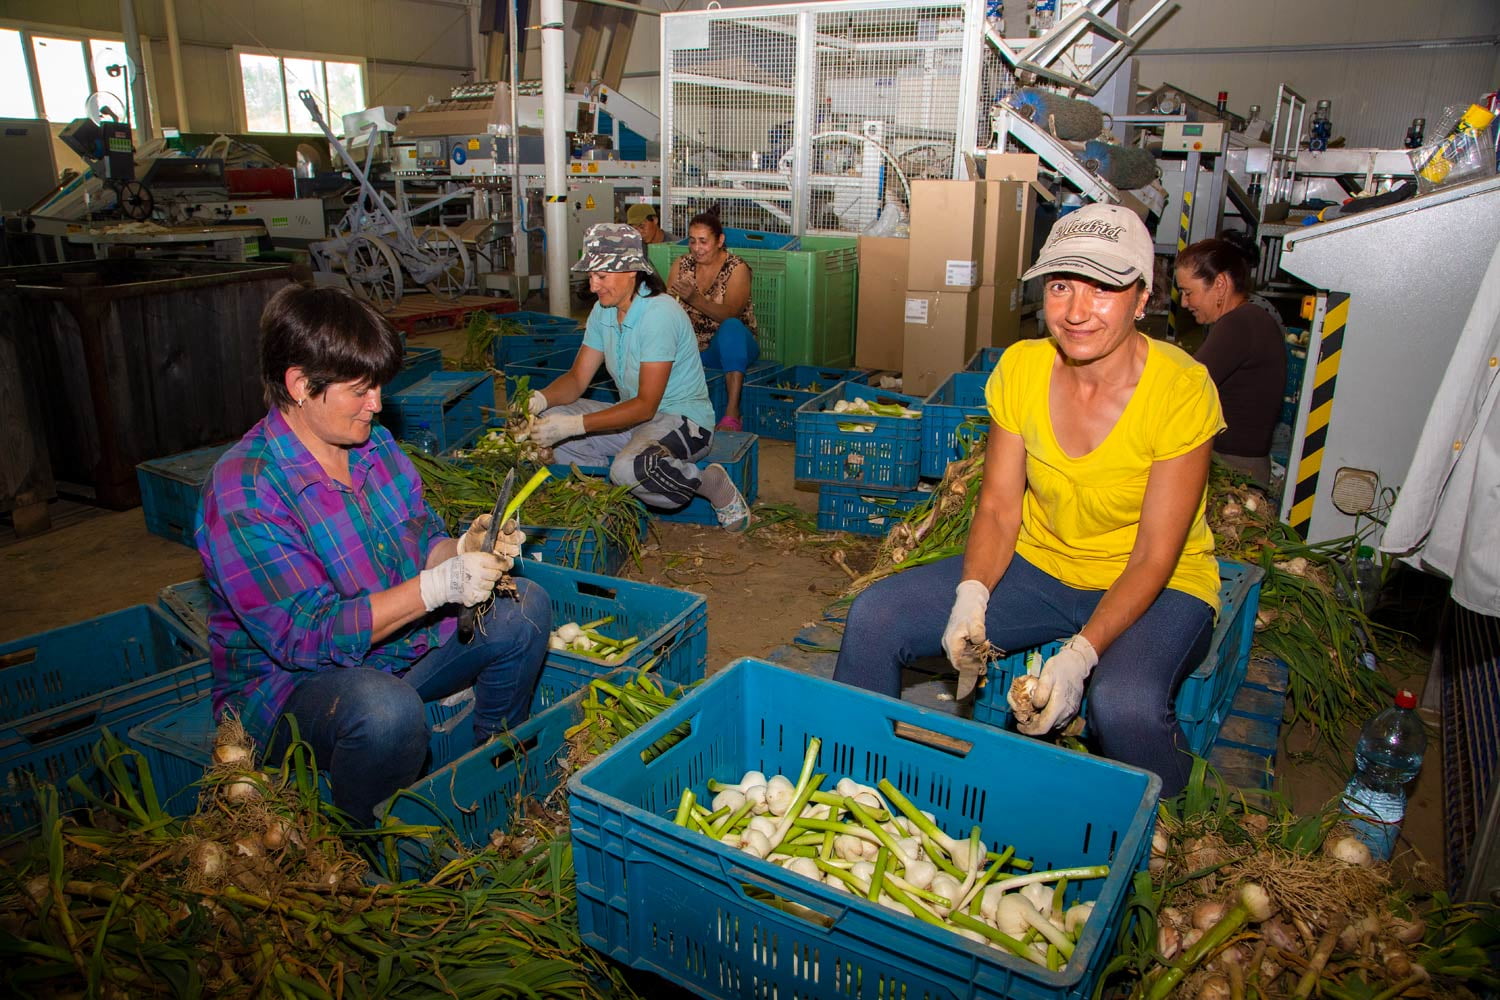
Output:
x,y
19,658
594,590
667,742
772,898
52,730
931,738
511,750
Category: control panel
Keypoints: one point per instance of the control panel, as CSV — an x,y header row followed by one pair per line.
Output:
x,y
1193,137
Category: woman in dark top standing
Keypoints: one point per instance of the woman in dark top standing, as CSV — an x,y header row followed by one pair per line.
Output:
x,y
1243,351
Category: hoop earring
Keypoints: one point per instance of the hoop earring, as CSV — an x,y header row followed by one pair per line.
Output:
x,y
1139,316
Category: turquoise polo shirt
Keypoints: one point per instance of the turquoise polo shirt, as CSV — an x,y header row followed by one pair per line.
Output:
x,y
655,329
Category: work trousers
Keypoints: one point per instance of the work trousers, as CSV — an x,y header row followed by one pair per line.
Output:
x,y
368,728
656,460
1130,693
732,349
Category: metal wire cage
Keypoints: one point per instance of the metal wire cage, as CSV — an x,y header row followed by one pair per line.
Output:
x,y
810,119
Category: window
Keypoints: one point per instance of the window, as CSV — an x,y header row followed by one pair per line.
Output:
x,y
270,85
15,84
67,71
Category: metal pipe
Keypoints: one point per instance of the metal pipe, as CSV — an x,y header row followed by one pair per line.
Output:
x,y
555,158
133,53
174,52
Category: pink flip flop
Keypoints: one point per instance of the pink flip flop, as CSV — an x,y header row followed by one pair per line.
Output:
x,y
730,424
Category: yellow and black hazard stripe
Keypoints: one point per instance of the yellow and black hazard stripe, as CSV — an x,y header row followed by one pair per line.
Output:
x,y
553,199
1319,412
1184,223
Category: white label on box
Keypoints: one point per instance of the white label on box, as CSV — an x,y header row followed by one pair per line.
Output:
x,y
916,311
962,272
1015,295
1021,198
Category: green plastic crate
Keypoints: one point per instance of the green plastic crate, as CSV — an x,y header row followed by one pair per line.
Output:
x,y
805,300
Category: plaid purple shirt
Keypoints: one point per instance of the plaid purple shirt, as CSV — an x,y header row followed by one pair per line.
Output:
x,y
292,557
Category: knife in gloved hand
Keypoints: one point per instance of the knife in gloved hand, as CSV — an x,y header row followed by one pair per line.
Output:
x,y
469,615
973,664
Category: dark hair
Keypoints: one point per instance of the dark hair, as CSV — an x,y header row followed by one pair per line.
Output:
x,y
651,280
709,218
328,333
1207,259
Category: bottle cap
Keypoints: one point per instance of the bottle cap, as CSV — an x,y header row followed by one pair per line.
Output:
x,y
1405,699
1364,552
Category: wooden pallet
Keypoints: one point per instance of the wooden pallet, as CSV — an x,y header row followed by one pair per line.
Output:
x,y
423,312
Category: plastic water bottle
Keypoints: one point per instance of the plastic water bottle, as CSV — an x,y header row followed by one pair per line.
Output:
x,y
423,439
1367,577
1388,755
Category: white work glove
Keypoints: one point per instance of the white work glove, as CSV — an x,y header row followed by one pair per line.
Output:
x,y
507,543
1059,687
466,579
557,427
536,403
966,620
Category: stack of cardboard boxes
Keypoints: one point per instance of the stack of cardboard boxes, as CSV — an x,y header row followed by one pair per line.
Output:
x,y
927,303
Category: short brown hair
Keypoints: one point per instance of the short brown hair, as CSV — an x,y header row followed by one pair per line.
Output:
x,y
328,333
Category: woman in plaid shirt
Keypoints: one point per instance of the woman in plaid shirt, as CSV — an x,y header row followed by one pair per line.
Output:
x,y
336,590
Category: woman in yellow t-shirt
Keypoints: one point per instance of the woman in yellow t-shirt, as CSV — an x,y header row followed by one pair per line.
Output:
x,y
1090,522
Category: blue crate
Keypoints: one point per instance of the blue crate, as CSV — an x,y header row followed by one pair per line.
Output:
x,y
1288,412
540,322
178,743
188,603
672,625
958,401
1204,698
417,364
451,404
737,451
583,549
718,391
984,359
58,689
886,457
1296,367
771,411
650,892
515,348
864,511
475,794
172,490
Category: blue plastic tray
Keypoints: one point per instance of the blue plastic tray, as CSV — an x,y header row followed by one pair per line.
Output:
x,y
771,411
178,743
862,510
737,451
172,491
887,457
451,404
690,909
188,603
959,400
58,689
1204,698
672,625
985,359
418,363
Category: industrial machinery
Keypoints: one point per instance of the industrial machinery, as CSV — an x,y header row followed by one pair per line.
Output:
x,y
375,242
459,162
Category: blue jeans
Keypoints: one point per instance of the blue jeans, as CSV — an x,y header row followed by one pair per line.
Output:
x,y
733,349
1131,692
368,728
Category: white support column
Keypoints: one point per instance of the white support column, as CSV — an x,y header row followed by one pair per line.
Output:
x,y
138,102
174,52
555,153
804,123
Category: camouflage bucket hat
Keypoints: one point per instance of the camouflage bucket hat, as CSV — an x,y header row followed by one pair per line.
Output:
x,y
613,246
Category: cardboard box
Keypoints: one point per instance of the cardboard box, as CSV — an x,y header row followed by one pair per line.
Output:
x,y
1012,167
947,235
1009,218
997,319
941,336
879,332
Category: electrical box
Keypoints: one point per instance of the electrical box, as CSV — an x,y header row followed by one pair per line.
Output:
x,y
1193,137
471,155
589,203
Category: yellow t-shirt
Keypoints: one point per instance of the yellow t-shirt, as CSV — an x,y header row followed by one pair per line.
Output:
x,y
1080,516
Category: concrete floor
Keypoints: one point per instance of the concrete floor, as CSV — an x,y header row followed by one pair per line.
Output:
x,y
760,594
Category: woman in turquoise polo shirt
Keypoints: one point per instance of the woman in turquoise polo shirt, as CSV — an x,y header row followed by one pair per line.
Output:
x,y
663,424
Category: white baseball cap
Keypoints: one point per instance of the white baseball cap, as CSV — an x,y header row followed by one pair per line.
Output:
x,y
1105,242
